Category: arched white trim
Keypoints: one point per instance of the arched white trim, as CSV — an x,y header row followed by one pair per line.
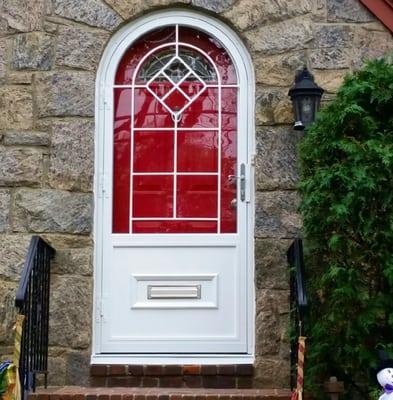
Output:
x,y
112,55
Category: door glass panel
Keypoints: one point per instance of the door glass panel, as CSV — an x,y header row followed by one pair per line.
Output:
x,y
149,112
171,226
228,183
160,87
229,111
138,51
176,100
153,151
121,160
192,88
213,48
197,151
228,160
175,135
197,196
202,112
152,196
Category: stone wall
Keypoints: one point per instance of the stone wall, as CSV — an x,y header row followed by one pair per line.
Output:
x,y
49,52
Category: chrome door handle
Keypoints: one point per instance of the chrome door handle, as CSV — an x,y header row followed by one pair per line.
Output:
x,y
242,181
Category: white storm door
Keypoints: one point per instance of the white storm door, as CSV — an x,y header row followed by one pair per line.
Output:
x,y
174,276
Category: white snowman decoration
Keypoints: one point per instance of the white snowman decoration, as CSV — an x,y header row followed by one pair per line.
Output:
x,y
385,379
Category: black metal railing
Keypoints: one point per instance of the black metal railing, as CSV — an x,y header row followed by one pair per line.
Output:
x,y
32,300
298,298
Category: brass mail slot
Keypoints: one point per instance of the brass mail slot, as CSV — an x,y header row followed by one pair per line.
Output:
x,y
157,292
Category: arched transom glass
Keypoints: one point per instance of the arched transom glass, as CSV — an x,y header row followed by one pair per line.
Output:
x,y
175,131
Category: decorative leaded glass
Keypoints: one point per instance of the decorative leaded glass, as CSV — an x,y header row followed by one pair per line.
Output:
x,y
178,68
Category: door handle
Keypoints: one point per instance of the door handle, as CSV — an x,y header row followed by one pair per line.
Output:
x,y
242,181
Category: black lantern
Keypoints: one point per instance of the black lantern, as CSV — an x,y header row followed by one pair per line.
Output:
x,y
305,96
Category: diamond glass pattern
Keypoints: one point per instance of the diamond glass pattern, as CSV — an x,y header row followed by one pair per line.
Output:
x,y
171,76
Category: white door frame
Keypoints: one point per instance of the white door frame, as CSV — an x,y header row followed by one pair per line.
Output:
x,y
113,53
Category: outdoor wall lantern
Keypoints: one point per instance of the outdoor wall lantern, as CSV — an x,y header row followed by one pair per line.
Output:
x,y
305,95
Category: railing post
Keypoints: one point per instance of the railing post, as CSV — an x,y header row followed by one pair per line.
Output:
x,y
32,300
298,298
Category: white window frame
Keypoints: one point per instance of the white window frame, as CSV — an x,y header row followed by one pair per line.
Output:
x,y
112,55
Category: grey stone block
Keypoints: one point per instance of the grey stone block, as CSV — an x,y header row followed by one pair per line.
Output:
x,y
12,255
72,155
70,312
280,37
348,11
276,214
20,167
65,94
78,48
23,15
52,211
5,197
271,266
91,12
33,51
276,161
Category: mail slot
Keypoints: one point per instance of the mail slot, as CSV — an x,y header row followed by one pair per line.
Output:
x,y
157,292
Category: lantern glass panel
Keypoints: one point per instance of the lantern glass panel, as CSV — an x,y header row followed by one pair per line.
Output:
x,y
307,109
297,108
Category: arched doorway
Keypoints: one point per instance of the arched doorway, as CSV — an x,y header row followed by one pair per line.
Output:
x,y
174,209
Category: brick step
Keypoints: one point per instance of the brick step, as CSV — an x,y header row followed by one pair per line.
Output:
x,y
121,393
173,376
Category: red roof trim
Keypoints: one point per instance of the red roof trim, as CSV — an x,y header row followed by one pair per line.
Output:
x,y
382,9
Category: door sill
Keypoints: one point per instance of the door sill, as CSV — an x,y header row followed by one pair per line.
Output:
x,y
168,359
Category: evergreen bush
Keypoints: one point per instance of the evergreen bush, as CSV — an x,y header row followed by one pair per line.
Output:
x,y
346,186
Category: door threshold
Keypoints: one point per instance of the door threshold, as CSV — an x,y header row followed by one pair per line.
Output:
x,y
172,359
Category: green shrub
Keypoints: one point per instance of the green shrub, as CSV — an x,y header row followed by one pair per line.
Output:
x,y
347,205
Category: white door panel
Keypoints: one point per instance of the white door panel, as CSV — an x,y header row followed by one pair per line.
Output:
x,y
208,321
